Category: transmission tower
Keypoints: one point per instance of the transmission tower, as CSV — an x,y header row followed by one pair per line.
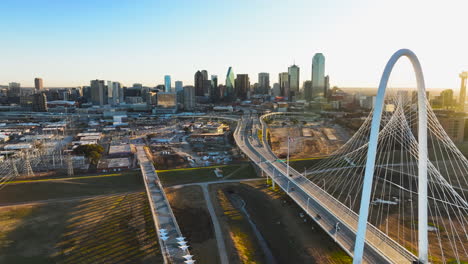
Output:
x,y
14,170
27,166
70,166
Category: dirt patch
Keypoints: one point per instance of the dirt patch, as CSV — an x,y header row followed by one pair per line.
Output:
x,y
189,207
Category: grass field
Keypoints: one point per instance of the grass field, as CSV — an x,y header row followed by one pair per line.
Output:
x,y
113,229
43,190
291,239
175,177
189,204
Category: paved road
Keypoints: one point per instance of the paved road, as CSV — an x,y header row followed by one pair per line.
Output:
x,y
217,227
335,218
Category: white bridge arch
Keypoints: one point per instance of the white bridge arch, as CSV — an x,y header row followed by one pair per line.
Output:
x,y
422,157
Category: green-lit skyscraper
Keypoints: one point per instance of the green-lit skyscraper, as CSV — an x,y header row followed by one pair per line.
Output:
x,y
230,83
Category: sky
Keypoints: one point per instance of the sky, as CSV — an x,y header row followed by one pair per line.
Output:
x,y
68,43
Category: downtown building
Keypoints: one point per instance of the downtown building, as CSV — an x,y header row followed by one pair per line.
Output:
x,y
38,84
263,83
318,86
39,102
230,84
293,72
242,87
283,81
198,82
189,98
215,95
179,86
167,83
98,92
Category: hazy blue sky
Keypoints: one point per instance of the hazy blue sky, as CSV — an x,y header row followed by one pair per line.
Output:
x,y
68,43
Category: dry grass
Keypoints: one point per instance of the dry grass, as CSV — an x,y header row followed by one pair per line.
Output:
x,y
114,229
240,232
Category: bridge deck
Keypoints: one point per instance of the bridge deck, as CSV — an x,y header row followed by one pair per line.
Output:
x,y
315,201
161,210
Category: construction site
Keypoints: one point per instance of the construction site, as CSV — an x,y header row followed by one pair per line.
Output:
x,y
312,136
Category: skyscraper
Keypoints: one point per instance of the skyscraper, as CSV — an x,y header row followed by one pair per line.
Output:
x,y
242,86
462,97
198,84
318,76
264,82
98,95
283,80
179,86
167,83
327,86
109,95
39,102
293,72
189,98
214,91
114,93
205,74
14,89
38,84
308,91
230,83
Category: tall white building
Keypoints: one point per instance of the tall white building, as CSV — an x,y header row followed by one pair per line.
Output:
x,y
318,76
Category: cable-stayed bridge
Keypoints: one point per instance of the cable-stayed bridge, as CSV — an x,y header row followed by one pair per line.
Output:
x,y
373,195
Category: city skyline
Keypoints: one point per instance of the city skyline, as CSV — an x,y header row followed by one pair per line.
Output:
x,y
129,50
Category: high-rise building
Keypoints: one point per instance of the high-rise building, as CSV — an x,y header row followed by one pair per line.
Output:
x,y
14,89
205,74
167,100
167,83
283,80
206,87
276,90
318,76
39,102
114,93
98,92
308,91
230,83
264,82
138,86
293,72
242,86
199,84
214,91
109,94
38,84
462,99
327,86
189,98
179,86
